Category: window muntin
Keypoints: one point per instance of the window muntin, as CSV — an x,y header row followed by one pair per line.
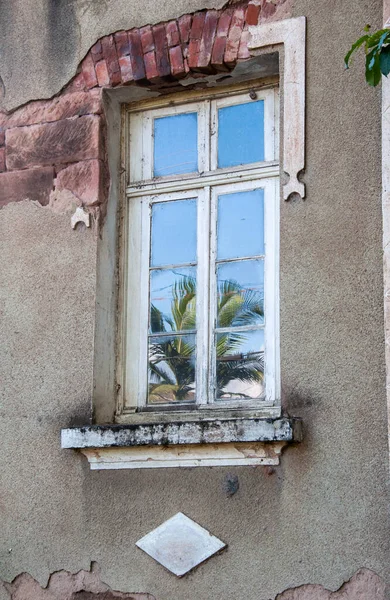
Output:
x,y
183,348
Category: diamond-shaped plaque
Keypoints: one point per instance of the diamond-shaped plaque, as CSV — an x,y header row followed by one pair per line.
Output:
x,y
180,544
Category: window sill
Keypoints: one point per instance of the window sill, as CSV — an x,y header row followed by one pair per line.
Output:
x,y
184,444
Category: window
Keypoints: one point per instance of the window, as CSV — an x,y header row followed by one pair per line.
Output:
x,y
200,271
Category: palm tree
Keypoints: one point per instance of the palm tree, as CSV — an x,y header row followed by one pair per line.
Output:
x,y
171,357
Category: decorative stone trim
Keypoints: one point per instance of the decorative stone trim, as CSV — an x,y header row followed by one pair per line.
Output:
x,y
187,455
292,34
186,432
192,444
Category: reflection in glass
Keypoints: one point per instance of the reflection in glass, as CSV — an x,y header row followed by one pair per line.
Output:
x,y
240,288
176,144
173,232
240,224
172,299
240,364
171,373
241,134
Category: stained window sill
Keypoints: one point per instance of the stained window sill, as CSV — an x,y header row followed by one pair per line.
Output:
x,y
223,442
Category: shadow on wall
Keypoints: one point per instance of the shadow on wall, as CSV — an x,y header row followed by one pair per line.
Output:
x,y
87,585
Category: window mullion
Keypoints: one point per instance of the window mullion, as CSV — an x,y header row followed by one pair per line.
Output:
x,y
144,295
212,295
202,300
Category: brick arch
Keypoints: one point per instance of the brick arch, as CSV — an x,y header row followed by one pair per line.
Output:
x,y
208,41
53,151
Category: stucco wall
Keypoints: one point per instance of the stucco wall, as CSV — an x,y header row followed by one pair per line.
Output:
x,y
322,514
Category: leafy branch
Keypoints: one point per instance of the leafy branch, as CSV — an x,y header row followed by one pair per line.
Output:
x,y
377,49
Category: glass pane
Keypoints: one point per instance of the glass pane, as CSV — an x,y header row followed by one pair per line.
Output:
x,y
241,134
176,144
240,364
172,299
240,288
171,369
240,230
173,232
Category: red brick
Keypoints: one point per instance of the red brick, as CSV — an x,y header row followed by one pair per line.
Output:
x,y
150,66
172,33
243,52
206,44
195,38
162,56
85,180
122,43
111,58
185,28
77,84
88,70
253,12
2,160
268,9
136,55
234,36
177,62
66,141
32,184
97,52
147,40
219,53
63,107
126,70
102,73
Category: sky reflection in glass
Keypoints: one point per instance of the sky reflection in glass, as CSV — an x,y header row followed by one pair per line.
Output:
x,y
241,134
240,224
176,144
173,232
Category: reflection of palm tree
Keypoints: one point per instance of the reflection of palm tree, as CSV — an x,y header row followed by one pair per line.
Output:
x,y
171,358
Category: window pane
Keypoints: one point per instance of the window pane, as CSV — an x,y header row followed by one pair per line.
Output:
x,y
240,288
172,299
241,134
171,369
240,364
176,144
173,232
240,230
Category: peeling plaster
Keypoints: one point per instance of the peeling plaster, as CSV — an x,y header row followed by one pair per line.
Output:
x,y
87,585
63,585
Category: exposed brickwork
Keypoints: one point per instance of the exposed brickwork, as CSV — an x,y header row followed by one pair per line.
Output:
x,y
65,141
31,184
207,41
56,146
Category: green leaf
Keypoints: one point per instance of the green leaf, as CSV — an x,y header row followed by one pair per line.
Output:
x,y
373,70
378,38
384,61
354,47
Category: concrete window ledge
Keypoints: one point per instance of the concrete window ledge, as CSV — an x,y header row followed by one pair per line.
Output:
x,y
224,442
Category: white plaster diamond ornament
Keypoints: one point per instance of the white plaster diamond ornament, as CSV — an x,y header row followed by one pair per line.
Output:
x,y
180,544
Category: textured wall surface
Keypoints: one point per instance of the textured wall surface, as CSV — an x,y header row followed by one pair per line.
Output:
x,y
319,517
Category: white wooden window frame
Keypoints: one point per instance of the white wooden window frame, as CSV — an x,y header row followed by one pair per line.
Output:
x,y
141,192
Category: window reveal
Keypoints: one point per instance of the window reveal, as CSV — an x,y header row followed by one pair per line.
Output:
x,y
201,310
